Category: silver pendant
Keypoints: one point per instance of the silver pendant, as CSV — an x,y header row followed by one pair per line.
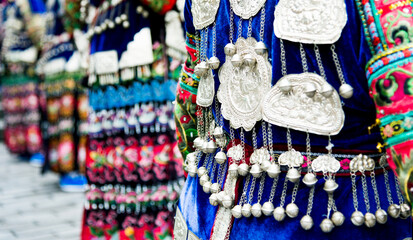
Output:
x,y
242,88
306,222
204,12
236,152
259,156
325,163
206,90
291,158
296,101
246,8
309,21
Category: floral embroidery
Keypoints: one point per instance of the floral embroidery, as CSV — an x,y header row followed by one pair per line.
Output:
x,y
345,164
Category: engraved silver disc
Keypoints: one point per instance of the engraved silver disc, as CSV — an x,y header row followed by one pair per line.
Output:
x,y
204,12
246,8
206,90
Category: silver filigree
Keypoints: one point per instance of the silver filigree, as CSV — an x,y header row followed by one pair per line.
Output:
x,y
259,156
309,21
204,12
242,88
325,164
291,158
296,110
236,152
246,8
180,228
362,163
206,90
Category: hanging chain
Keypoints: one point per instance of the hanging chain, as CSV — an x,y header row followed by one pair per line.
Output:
x,y
251,192
214,163
284,192
198,42
243,144
250,27
309,161
283,59
214,39
244,190
399,194
205,44
270,143
319,62
289,141
376,192
261,189
231,25
232,135
264,135
273,187
295,191
329,204
254,138
222,171
262,23
354,190
303,58
337,63
239,28
310,201
365,191
387,183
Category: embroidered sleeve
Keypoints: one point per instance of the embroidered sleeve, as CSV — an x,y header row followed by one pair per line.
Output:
x,y
185,107
389,29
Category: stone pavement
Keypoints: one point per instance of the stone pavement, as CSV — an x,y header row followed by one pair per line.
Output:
x,y
32,206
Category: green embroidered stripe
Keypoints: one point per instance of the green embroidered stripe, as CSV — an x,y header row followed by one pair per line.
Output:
x,y
378,25
384,69
406,136
395,117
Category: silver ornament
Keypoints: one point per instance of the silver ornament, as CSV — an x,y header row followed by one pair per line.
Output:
x,y
357,218
125,24
293,175
98,30
236,60
310,89
201,69
394,210
198,142
404,211
218,132
256,210
256,170
118,20
306,222
204,147
338,218
330,186
326,225
220,196
192,170
213,199
381,216
267,208
246,210
214,62
233,170
260,48
207,187
203,179
310,179
227,201
104,26
249,60
279,213
265,165
243,169
211,147
327,90
221,157
346,91
285,85
370,220
274,170
230,49
201,171
236,211
215,188
292,210
123,17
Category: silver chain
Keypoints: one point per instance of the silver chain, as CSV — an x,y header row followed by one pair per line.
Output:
x,y
303,58
295,191
243,144
264,135
214,163
365,191
354,190
273,188
249,27
376,192
214,39
284,192
221,173
231,25
244,190
329,204
310,201
239,28
289,141
198,43
308,145
252,188
270,143
387,183
283,59
261,189
337,63
254,138
319,62
262,23
398,191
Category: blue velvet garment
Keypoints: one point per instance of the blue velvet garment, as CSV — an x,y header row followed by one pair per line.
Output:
x,y
353,53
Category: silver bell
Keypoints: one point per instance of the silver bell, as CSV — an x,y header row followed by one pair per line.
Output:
x,y
327,90
236,60
211,147
256,170
246,210
204,147
310,89
123,17
338,218
204,179
381,216
221,157
310,179
118,20
265,165
218,132
370,220
233,170
98,30
207,187
220,196
243,169
357,218
125,24
274,170
326,225
192,170
236,211
394,210
292,210
201,171
306,222
293,175
227,201
191,157
213,199
230,49
330,186
256,210
346,91
249,60
215,188
260,48
404,211
267,208
214,62
198,142
285,85
279,214
111,25
201,69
